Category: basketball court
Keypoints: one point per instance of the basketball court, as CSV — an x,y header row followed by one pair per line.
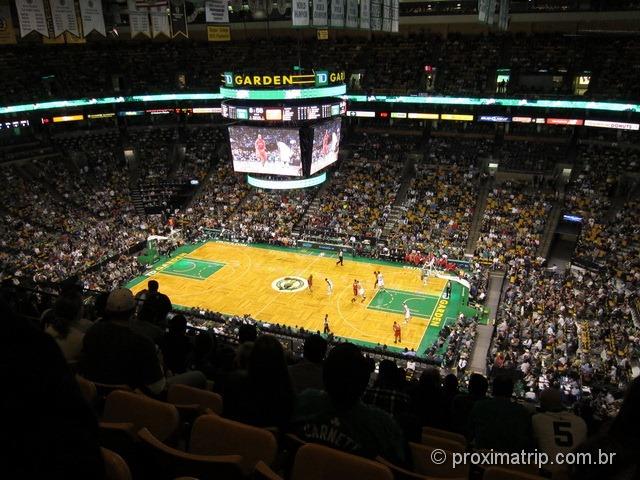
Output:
x,y
270,284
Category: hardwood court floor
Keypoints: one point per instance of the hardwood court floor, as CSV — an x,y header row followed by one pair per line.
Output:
x,y
239,279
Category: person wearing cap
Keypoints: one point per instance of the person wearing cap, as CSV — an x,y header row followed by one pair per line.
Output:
x,y
112,353
556,430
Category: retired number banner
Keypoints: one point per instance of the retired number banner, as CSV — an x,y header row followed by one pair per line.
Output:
x,y
352,14
300,13
337,13
320,14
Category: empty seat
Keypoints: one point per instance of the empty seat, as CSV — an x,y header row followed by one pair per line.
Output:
x,y
214,435
88,390
143,412
317,462
422,463
167,463
115,468
497,473
183,395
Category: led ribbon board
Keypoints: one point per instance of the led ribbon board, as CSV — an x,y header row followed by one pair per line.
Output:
x,y
330,91
284,94
287,184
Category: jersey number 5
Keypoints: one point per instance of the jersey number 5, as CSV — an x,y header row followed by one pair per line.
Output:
x,y
562,433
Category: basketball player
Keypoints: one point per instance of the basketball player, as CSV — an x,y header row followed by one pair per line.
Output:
x,y
355,291
380,281
397,333
340,258
325,143
407,313
329,286
362,292
326,330
261,150
310,282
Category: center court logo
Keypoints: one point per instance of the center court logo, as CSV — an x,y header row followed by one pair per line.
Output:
x,y
289,284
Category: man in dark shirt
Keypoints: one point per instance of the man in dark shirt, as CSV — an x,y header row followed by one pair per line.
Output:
x,y
339,419
307,373
463,403
500,423
115,354
156,305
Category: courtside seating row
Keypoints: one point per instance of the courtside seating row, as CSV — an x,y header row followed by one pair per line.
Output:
x,y
185,437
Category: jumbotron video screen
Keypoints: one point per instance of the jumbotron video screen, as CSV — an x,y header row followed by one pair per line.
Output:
x,y
274,151
326,143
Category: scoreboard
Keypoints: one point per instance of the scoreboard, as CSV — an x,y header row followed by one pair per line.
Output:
x,y
284,113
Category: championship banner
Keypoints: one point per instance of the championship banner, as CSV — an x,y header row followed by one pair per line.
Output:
x,y
31,17
352,14
92,18
160,21
63,17
337,13
376,14
503,18
282,6
320,13
216,11
365,14
7,32
300,13
491,12
179,18
218,34
483,10
395,16
138,20
386,15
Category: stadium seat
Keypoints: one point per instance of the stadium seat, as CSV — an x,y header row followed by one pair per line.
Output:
x,y
436,432
400,473
127,407
526,469
115,468
184,396
422,464
317,462
442,443
166,463
497,473
88,390
214,435
262,472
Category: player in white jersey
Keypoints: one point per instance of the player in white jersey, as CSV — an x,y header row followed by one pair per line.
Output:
x,y
407,313
362,292
329,286
556,430
380,282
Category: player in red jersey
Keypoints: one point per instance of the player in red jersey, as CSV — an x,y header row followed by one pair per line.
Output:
x,y
355,291
397,333
261,150
325,143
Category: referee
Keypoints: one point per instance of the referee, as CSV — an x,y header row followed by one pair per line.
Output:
x,y
340,258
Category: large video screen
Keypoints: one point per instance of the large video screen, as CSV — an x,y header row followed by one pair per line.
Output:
x,y
326,143
274,151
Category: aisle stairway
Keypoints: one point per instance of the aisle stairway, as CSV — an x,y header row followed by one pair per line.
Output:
x,y
550,229
478,213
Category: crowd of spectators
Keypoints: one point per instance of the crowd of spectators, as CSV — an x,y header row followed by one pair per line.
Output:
x,y
573,328
359,198
512,224
531,156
